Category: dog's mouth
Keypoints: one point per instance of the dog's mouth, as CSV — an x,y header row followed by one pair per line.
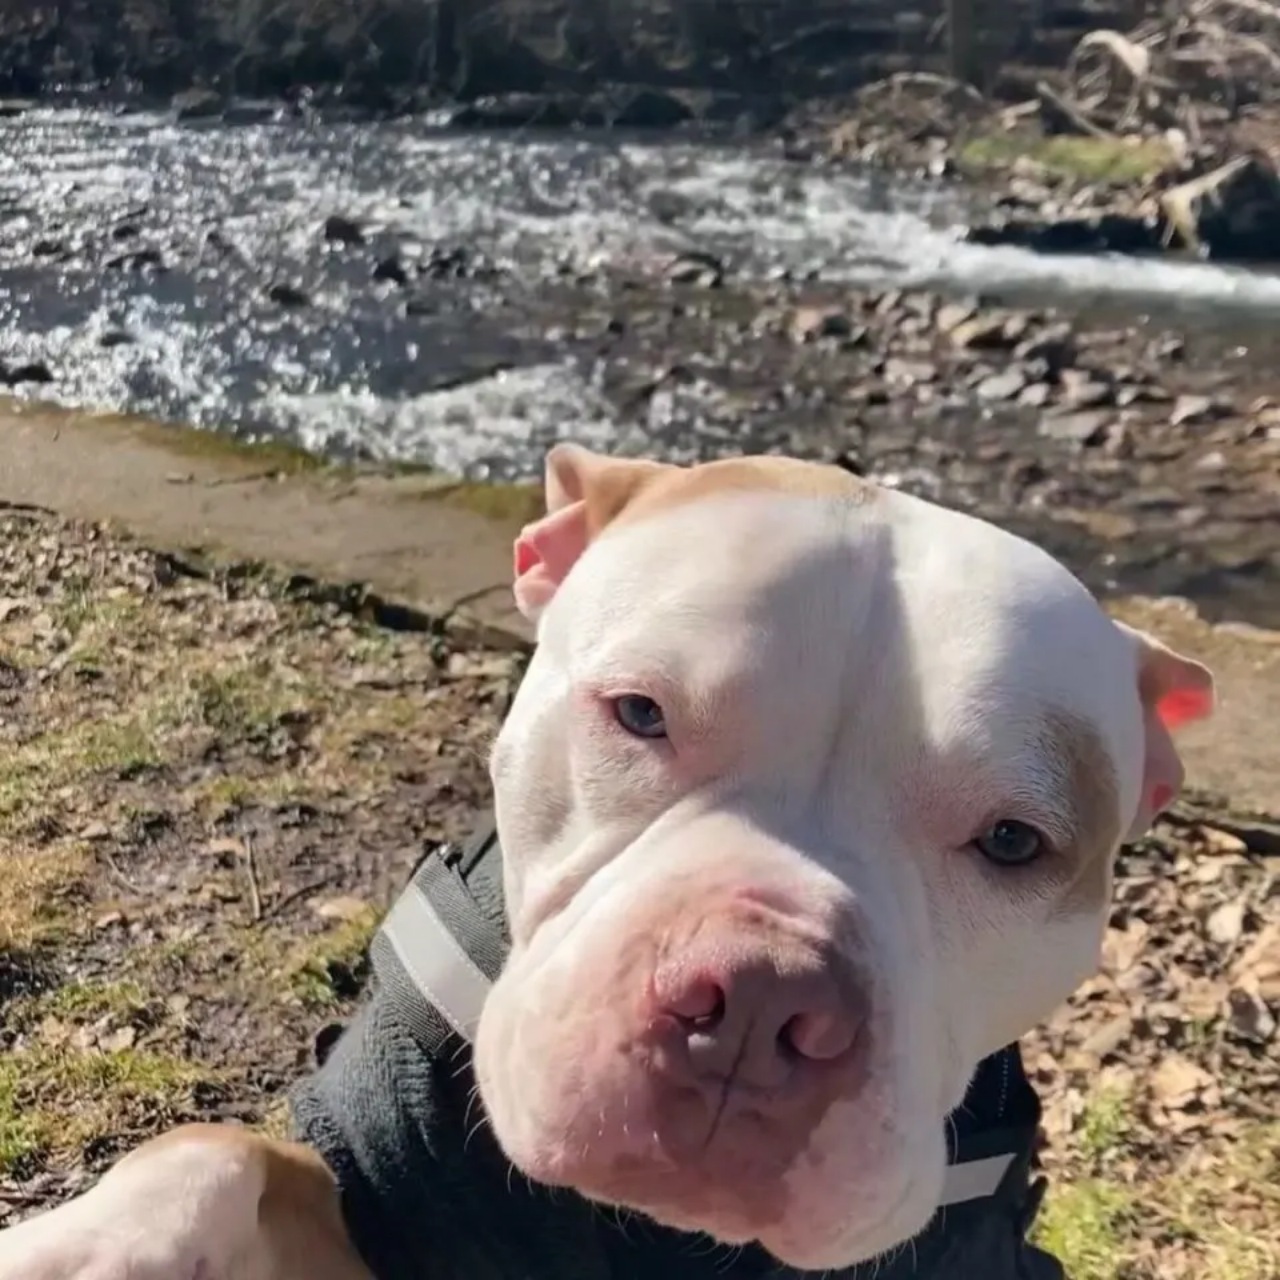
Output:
x,y
617,1139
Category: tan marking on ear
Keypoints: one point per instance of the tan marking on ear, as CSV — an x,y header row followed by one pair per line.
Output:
x,y
671,487
1090,778
626,489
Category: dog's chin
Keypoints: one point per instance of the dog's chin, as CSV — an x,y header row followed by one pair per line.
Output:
x,y
846,1200
810,1238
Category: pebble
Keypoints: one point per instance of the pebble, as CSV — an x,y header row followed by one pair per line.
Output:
x,y
1250,1017
1226,925
809,323
701,269
1002,386
1081,389
391,269
953,314
288,295
342,230
1193,409
984,333
1084,428
1036,396
35,371
909,372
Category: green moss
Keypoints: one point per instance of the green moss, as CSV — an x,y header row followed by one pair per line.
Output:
x,y
323,970
246,700
1108,160
217,794
55,1100
36,889
1082,1226
1104,1125
83,1002
515,504
276,456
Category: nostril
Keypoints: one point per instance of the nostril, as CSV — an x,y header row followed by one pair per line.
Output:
x,y
820,1037
700,1004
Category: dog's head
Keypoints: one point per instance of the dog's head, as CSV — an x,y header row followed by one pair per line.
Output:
x,y
809,800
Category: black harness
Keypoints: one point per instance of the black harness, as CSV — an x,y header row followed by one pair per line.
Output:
x,y
428,1196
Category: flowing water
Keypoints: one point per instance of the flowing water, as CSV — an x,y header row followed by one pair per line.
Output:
x,y
407,291
138,256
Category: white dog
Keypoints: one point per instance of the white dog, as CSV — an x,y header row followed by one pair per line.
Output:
x,y
809,802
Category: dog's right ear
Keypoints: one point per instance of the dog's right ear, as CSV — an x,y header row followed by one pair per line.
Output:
x,y
585,492
1175,691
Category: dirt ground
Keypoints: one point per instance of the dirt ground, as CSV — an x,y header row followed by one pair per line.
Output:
x,y
213,784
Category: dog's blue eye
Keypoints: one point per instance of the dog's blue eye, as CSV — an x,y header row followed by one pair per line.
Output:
x,y
640,715
1010,843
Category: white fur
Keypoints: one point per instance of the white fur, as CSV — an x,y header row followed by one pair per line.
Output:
x,y
858,687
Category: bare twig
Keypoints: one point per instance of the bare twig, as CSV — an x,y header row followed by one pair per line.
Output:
x,y
119,876
255,890
314,886
1069,112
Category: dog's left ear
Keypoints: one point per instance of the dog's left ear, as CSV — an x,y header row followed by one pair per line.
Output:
x,y
585,492
1175,691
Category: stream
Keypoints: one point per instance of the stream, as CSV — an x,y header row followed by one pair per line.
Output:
x,y
404,291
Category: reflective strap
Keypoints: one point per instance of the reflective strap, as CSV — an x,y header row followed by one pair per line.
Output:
x,y
974,1179
435,962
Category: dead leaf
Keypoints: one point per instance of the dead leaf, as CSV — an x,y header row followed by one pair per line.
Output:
x,y
1226,925
1121,947
120,1040
1259,964
1109,1037
1220,842
1250,1017
1178,1082
344,909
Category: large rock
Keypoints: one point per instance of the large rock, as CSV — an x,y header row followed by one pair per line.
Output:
x,y
1231,212
1089,231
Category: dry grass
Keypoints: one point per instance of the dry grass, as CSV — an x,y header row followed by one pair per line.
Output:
x,y
209,793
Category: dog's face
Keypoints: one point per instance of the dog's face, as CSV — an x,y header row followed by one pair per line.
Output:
x,y
809,801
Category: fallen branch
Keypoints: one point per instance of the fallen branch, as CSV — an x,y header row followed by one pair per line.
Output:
x,y
901,80
1134,58
1059,112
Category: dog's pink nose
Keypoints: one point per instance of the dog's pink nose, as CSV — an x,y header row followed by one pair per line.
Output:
x,y
756,1014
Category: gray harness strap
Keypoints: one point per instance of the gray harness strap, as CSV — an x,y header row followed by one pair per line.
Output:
x,y
438,956
436,966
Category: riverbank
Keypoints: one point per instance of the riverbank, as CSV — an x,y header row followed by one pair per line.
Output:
x,y
424,552
218,774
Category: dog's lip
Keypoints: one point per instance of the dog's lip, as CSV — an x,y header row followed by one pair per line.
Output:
x,y
692,1201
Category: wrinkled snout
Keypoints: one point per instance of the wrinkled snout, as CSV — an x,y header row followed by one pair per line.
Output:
x,y
705,1041
753,1007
